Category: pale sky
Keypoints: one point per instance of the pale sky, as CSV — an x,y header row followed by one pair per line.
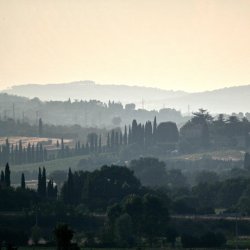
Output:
x,y
191,45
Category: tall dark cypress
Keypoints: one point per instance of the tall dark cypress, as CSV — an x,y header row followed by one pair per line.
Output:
x,y
148,134
23,181
29,153
43,181
100,144
121,139
116,139
129,135
125,136
33,153
7,175
20,152
62,148
40,128
108,141
7,150
70,187
154,130
39,184
134,135
112,143
2,177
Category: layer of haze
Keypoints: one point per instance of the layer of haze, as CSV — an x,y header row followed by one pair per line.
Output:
x,y
191,45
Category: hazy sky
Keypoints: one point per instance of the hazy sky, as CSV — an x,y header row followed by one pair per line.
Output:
x,y
172,44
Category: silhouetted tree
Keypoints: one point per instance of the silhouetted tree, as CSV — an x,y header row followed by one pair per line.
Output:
x,y
7,175
23,181
63,235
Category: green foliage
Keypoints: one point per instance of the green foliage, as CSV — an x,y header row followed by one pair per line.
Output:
x,y
63,235
124,231
150,171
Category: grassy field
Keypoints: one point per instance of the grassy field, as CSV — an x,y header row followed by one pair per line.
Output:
x,y
58,164
64,164
234,155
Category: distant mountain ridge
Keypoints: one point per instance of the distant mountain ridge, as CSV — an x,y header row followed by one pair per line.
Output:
x,y
226,100
89,90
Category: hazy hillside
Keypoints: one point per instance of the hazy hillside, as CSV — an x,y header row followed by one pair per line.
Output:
x,y
227,100
88,90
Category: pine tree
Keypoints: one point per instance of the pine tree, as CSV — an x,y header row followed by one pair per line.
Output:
x,y
7,175
23,181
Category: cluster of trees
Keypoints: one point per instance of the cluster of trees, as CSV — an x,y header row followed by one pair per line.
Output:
x,y
131,213
5,177
203,131
19,154
145,135
92,113
45,188
100,188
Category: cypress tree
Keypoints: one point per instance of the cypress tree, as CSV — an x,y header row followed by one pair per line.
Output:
x,y
23,181
116,139
112,139
7,175
7,150
134,136
29,153
40,128
37,152
43,181
247,161
108,141
62,148
125,136
12,154
129,135
70,187
20,149
100,144
154,130
2,177
50,189
39,184
45,154
120,141
33,153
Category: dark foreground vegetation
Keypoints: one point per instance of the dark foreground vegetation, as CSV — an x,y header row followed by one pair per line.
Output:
x,y
128,197
110,207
